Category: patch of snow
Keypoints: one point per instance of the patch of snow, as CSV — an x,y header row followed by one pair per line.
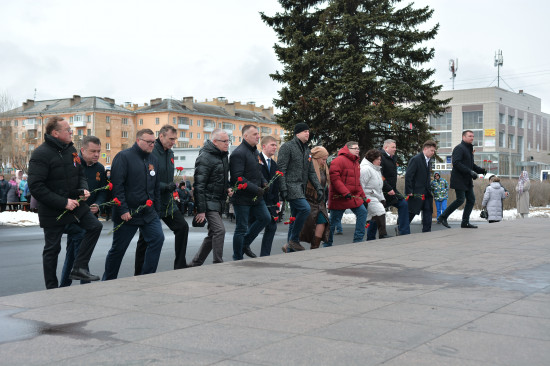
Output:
x,y
19,218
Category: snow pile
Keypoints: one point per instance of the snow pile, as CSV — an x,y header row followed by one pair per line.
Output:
x,y
391,219
19,218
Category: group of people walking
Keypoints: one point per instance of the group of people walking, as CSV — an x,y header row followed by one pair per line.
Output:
x,y
72,188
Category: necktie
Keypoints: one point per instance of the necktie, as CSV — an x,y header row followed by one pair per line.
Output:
x,y
268,165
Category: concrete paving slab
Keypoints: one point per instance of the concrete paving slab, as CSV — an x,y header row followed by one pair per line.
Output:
x,y
453,297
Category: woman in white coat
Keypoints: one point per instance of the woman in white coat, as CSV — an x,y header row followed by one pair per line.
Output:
x,y
372,183
522,194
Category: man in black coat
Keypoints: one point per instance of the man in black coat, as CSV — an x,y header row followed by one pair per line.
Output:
x,y
211,189
391,193
418,187
245,165
4,188
57,181
95,177
136,184
169,211
462,175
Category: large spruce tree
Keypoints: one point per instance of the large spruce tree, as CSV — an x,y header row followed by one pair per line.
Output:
x,y
352,70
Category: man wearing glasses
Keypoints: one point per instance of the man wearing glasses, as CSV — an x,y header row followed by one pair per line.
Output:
x,y
345,191
57,181
211,188
135,178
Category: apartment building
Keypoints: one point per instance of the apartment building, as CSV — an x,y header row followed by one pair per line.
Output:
x,y
22,129
511,132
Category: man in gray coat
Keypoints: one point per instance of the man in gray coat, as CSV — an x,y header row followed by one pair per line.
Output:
x,y
294,181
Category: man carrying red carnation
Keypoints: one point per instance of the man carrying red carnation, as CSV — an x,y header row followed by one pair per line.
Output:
x,y
95,176
169,212
136,181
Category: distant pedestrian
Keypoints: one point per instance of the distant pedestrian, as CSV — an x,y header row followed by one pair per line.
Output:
x,y
13,191
211,183
295,164
522,194
492,200
440,189
23,188
4,188
462,176
372,183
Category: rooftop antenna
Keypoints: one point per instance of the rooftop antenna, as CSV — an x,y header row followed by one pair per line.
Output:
x,y
498,63
453,67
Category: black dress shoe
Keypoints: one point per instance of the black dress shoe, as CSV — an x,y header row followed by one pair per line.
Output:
x,y
468,226
443,222
83,275
249,252
384,236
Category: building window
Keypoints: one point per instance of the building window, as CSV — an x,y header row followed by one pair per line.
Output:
x,y
443,139
190,135
206,136
125,121
157,121
501,139
141,121
22,135
474,121
108,146
107,159
511,121
199,122
442,122
80,132
15,135
511,141
501,119
209,123
107,133
275,131
157,134
520,144
182,134
538,147
240,139
190,122
78,118
125,134
183,121
538,126
71,119
16,123
108,119
89,118
265,130
198,135
520,122
228,126
174,120
89,132
529,125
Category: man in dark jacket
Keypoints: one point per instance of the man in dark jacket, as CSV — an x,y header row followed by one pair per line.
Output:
x,y
245,166
295,164
345,191
4,188
169,211
391,193
136,183
95,176
462,175
418,187
57,181
186,204
211,190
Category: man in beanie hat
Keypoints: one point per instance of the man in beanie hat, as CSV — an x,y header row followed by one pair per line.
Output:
x,y
294,181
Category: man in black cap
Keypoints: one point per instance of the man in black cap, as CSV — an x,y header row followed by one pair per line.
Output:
x,y
294,181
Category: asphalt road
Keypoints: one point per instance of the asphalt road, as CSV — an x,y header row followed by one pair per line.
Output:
x,y
21,252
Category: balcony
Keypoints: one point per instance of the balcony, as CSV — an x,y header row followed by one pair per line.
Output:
x,y
79,124
229,132
183,126
183,139
208,129
31,126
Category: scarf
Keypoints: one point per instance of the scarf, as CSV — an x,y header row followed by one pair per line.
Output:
x,y
317,153
524,177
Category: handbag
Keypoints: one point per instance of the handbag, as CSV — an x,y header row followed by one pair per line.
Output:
x,y
484,214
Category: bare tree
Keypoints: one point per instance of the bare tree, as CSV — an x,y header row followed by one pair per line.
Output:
x,y
7,139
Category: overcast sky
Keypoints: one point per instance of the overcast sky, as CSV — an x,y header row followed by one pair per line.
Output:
x,y
137,50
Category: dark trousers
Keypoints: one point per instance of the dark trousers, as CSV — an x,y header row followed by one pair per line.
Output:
x,y
214,240
153,235
244,232
75,234
52,247
180,228
269,233
427,210
461,196
300,209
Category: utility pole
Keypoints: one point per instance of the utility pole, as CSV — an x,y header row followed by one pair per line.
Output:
x,y
453,67
498,63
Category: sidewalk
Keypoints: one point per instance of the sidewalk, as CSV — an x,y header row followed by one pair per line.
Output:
x,y
450,297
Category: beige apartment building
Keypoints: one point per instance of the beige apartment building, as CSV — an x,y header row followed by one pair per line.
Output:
x,y
511,132
22,129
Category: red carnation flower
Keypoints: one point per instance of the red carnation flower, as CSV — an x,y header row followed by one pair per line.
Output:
x,y
172,160
176,195
292,219
245,185
240,186
407,198
117,202
423,197
368,200
367,225
240,179
179,168
279,173
275,218
110,186
278,204
149,203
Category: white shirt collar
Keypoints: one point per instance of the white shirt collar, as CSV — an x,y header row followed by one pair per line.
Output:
x,y
265,157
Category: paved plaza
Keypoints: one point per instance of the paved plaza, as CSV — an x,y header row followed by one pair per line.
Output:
x,y
449,297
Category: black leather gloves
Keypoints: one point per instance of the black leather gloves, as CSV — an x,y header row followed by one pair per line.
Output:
x,y
171,187
473,174
320,195
348,196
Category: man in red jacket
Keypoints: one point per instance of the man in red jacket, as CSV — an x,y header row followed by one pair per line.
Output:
x,y
345,191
